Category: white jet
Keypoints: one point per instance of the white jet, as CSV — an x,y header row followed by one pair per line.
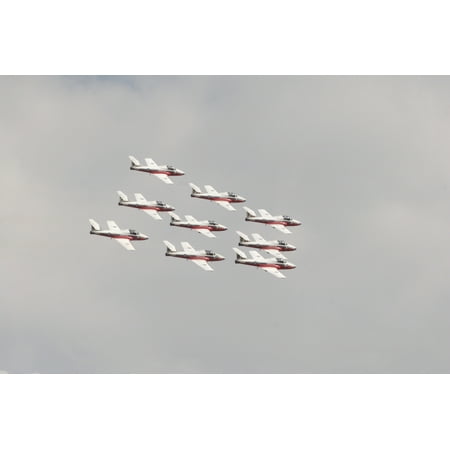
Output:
x,y
202,226
223,199
149,207
278,222
123,237
199,257
162,172
272,247
270,265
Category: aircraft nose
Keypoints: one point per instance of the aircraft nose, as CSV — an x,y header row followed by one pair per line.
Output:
x,y
180,172
144,236
221,257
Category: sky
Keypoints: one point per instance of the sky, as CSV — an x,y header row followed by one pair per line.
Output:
x,y
361,161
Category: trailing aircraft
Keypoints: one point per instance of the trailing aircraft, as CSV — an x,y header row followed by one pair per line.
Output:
x,y
149,207
221,198
162,172
202,226
272,247
123,237
199,257
270,265
278,222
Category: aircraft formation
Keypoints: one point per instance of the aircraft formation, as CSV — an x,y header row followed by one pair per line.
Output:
x,y
275,248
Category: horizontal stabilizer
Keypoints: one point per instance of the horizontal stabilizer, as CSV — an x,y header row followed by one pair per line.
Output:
x,y
170,246
243,236
122,196
195,188
174,216
94,224
134,161
240,253
249,211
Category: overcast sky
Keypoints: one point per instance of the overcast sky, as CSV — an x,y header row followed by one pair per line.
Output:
x,y
363,162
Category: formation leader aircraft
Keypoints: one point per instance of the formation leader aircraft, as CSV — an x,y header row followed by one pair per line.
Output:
x,y
272,247
278,222
223,199
202,226
199,257
270,265
123,237
149,207
162,172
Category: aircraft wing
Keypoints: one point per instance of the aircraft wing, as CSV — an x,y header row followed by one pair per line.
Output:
x,y
187,247
112,225
203,264
206,232
163,177
140,198
265,214
256,256
210,190
273,271
125,243
152,213
281,228
150,163
226,205
258,238
276,253
191,219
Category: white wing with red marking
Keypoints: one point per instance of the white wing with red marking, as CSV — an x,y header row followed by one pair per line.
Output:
x,y
188,248
265,214
281,228
150,163
140,198
210,190
273,271
225,205
191,219
203,264
112,226
256,256
125,243
206,232
258,238
153,213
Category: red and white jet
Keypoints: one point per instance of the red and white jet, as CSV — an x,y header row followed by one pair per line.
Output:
x,y
123,237
272,247
278,222
162,172
149,207
202,226
199,257
221,198
270,265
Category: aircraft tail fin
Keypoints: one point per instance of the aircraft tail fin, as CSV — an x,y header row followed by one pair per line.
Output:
x,y
243,237
250,212
239,254
134,161
94,225
195,189
173,216
122,196
170,247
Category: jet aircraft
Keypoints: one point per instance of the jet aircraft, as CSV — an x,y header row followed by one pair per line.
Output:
x,y
149,207
123,237
202,226
270,265
221,198
162,172
278,222
199,257
272,247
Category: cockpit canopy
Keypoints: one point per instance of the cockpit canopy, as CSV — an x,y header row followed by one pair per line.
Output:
x,y
171,168
280,260
232,194
212,222
287,218
282,242
209,252
133,232
159,202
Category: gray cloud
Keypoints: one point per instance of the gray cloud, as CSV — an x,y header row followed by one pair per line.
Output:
x,y
362,161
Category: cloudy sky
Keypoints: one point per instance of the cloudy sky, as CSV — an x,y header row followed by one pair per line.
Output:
x,y
363,162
